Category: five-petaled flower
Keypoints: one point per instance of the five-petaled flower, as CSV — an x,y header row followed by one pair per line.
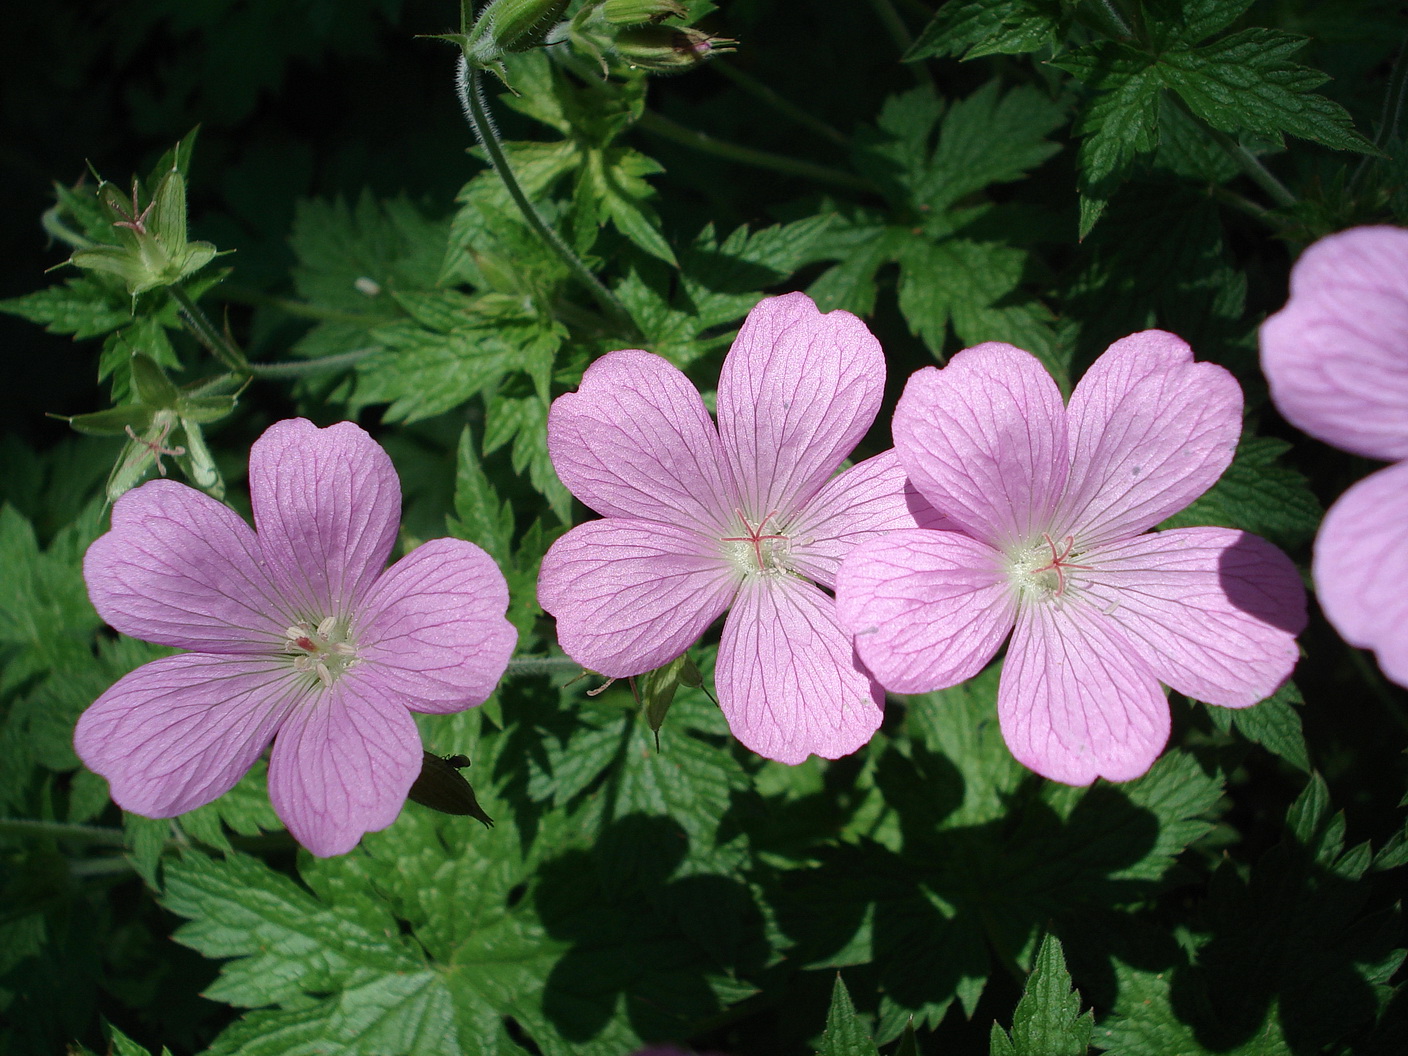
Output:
x,y
298,635
1336,358
749,515
1053,503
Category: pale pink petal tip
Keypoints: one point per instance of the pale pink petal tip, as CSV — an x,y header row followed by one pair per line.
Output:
x,y
789,681
1336,356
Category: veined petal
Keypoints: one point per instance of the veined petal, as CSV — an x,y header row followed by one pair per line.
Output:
x,y
868,500
1212,612
1076,702
180,731
1150,431
342,765
1336,357
798,391
984,440
1361,564
432,631
789,681
327,505
631,595
180,569
634,440
928,609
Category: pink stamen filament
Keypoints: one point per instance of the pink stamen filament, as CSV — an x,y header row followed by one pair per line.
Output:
x,y
754,535
157,447
1059,562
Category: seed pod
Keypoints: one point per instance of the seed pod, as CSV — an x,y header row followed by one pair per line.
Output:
x,y
442,787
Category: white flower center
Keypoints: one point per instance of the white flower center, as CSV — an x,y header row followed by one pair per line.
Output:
x,y
323,650
1042,570
758,551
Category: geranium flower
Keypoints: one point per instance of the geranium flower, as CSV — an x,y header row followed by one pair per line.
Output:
x,y
299,636
1336,358
1054,501
698,519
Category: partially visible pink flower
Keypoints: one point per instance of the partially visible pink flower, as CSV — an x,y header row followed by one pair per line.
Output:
x,y
299,636
1336,358
1054,501
697,519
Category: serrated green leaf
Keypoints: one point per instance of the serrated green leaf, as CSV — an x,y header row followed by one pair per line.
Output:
x,y
84,307
1274,724
522,421
846,1034
982,27
480,515
1048,1020
1246,82
1259,495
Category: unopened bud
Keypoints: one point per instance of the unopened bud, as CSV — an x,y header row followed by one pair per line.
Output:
x,y
665,49
511,25
639,12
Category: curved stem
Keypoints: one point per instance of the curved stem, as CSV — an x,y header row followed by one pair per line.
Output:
x,y
471,93
1248,162
297,368
204,330
63,830
663,126
785,107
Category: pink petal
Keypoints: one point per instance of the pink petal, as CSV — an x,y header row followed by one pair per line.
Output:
x,y
798,391
327,505
342,765
432,631
1361,564
631,595
928,609
789,681
1075,702
180,569
1336,356
180,731
984,440
868,500
634,440
1212,612
1150,431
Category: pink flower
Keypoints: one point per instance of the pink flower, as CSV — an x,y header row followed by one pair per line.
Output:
x,y
1336,358
299,636
698,519
1053,501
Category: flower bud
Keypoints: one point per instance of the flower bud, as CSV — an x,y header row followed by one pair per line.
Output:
x,y
638,12
664,49
511,25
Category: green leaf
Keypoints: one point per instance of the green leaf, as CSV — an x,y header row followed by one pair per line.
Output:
x,y
522,421
1246,82
83,307
480,515
615,177
1048,1020
846,1034
972,28
1259,495
1274,724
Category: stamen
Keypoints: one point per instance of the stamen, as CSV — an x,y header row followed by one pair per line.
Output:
x,y
754,535
1059,563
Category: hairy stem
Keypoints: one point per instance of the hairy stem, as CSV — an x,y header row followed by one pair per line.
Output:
x,y
204,330
540,665
471,92
297,368
785,107
63,830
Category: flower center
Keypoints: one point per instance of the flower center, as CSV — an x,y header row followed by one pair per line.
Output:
x,y
322,650
759,553
1041,570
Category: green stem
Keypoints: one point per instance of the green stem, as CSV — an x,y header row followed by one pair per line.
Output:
x,y
1245,159
1392,114
663,126
216,342
899,33
54,226
522,666
471,93
785,107
62,830
297,368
